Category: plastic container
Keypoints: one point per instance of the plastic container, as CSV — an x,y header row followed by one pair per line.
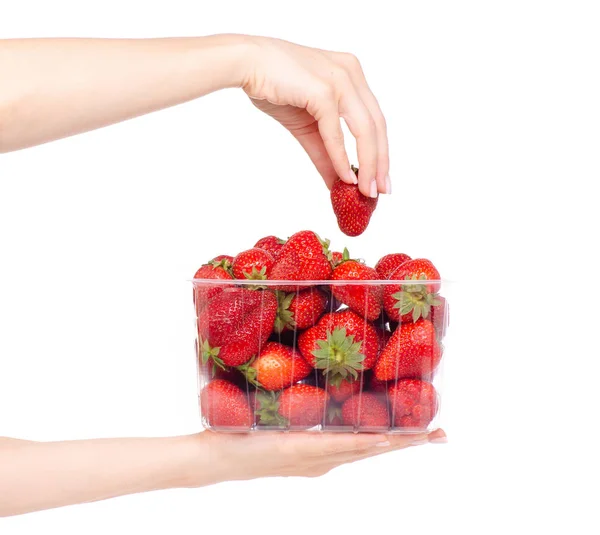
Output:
x,y
290,355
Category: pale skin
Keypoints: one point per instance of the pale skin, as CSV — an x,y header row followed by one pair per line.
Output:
x,y
54,88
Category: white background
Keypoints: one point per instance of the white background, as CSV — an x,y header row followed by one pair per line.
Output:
x,y
494,123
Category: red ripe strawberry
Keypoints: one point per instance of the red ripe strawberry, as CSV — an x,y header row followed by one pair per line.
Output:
x,y
409,302
336,258
413,403
303,405
352,209
366,410
303,257
299,310
271,244
341,344
235,324
205,291
225,405
365,300
412,352
277,367
347,388
389,263
253,264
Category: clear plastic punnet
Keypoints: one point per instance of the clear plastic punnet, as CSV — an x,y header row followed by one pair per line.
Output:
x,y
332,356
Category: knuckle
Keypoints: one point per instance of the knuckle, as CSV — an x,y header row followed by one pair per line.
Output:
x,y
350,61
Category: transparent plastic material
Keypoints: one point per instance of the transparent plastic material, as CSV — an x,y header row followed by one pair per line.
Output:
x,y
293,355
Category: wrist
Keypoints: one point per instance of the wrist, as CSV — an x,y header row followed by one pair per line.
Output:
x,y
233,58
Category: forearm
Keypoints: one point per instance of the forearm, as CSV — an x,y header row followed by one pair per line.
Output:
x,y
52,88
42,475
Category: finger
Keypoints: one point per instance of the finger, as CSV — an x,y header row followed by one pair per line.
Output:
x,y
312,142
323,106
329,445
361,124
357,76
333,141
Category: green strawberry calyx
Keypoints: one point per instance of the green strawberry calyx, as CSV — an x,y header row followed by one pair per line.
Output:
x,y
325,244
249,372
223,264
416,299
268,413
285,317
333,412
339,356
256,274
207,354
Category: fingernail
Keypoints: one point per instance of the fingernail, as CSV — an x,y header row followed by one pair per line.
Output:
x,y
388,185
439,440
382,444
419,442
352,177
373,193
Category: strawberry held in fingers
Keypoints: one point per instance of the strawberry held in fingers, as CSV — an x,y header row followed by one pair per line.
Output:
x,y
271,244
413,403
413,299
225,405
253,264
277,367
390,263
364,300
368,410
299,310
352,209
235,324
412,352
342,344
303,257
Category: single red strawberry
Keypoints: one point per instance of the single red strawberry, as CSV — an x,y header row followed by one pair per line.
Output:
x,y
367,410
203,291
413,403
413,299
389,263
352,209
299,310
303,405
276,367
225,405
341,344
253,264
412,352
235,324
366,299
347,388
271,244
303,257
336,258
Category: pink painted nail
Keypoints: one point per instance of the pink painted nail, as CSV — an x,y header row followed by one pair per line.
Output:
x,y
388,185
373,193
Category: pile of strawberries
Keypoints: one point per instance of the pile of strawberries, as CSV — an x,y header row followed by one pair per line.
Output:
x,y
293,336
